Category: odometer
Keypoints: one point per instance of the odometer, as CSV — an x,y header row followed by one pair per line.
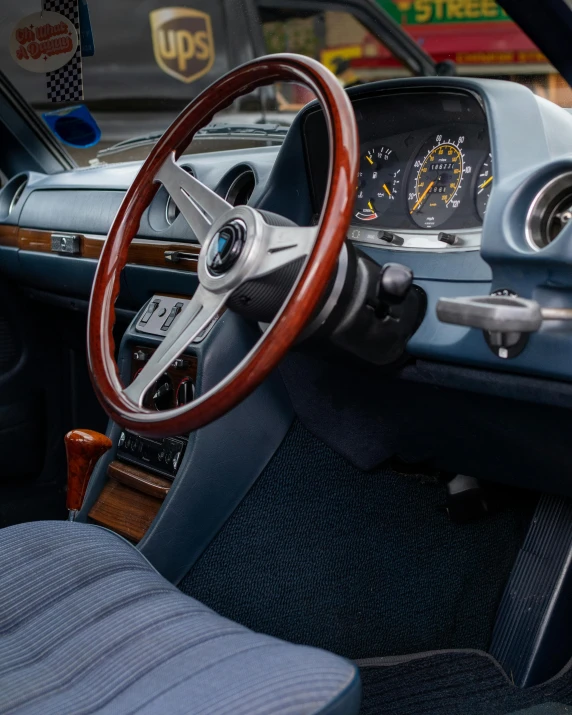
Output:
x,y
436,183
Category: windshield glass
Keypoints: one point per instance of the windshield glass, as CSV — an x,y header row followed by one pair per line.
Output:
x,y
137,64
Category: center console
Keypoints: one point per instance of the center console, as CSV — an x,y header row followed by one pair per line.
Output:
x,y
176,387
142,472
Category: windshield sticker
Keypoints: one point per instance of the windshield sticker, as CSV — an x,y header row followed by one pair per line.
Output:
x,y
43,42
182,42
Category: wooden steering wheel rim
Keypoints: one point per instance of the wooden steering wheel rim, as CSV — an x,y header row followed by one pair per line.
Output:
x,y
334,222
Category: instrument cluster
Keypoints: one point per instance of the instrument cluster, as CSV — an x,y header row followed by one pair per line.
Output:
x,y
449,172
426,164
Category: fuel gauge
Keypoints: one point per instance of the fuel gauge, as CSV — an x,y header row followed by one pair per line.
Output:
x,y
379,182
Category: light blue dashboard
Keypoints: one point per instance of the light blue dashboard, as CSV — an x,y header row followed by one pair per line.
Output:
x,y
531,145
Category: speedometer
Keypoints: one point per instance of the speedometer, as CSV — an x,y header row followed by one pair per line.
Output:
x,y
436,184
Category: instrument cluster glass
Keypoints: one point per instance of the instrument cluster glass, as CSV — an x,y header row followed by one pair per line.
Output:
x,y
425,161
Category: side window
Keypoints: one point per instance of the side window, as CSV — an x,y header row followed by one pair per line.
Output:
x,y
335,38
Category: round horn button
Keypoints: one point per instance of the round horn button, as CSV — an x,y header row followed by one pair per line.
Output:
x,y
226,247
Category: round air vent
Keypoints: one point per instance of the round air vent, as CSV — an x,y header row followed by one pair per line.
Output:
x,y
550,211
11,194
237,186
241,189
171,208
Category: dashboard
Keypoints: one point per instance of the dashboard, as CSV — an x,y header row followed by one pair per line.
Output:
x,y
426,169
428,150
470,186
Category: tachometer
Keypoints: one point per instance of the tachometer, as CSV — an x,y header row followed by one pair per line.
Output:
x,y
379,180
484,186
436,183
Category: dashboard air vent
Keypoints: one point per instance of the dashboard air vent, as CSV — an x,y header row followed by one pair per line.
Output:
x,y
550,211
171,208
241,188
11,194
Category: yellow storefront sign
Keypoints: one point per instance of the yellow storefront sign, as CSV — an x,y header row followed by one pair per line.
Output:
x,y
422,12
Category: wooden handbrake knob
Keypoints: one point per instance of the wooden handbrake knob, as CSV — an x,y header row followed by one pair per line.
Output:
x,y
83,448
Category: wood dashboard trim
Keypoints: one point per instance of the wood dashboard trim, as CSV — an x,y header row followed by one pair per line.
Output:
x,y
9,236
142,252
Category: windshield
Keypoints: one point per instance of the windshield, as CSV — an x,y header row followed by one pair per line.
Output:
x,y
136,63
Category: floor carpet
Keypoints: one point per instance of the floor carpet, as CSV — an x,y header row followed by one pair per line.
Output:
x,y
462,683
359,563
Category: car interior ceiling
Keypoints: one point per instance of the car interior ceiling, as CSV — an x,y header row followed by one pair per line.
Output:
x,y
387,480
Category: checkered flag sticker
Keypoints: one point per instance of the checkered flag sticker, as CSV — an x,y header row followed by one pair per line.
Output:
x,y
66,84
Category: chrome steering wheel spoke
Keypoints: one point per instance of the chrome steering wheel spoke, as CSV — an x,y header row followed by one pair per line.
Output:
x,y
198,313
200,206
282,245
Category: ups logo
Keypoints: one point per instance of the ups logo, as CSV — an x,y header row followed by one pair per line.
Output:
x,y
182,42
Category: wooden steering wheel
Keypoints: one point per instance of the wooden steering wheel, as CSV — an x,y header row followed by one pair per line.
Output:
x,y
238,245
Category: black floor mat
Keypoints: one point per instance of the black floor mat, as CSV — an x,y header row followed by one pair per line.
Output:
x,y
452,683
359,563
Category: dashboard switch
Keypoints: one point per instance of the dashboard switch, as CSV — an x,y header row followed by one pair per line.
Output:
x,y
449,238
175,310
152,307
389,237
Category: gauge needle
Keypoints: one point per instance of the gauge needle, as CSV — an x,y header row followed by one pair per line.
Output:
x,y
486,183
387,191
369,159
371,206
422,197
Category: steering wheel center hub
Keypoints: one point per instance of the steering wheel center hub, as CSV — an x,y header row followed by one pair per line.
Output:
x,y
225,247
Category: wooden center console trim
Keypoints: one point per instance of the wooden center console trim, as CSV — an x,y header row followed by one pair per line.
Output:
x,y
131,476
143,252
126,511
129,501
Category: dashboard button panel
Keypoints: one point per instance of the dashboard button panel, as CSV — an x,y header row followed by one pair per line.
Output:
x,y
160,314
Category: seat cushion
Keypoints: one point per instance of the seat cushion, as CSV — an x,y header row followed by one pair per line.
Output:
x,y
87,625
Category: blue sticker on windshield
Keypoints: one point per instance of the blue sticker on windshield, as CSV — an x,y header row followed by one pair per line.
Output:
x,y
86,34
74,126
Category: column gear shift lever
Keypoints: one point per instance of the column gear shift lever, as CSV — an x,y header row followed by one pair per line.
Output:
x,y
83,448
